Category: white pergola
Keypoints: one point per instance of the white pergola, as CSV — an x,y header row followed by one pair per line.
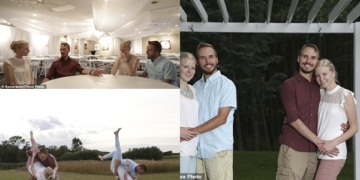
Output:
x,y
287,27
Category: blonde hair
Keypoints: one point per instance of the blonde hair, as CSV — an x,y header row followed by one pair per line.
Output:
x,y
186,55
127,44
49,173
330,65
16,45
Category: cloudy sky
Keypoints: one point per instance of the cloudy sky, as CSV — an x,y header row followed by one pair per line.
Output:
x,y
148,117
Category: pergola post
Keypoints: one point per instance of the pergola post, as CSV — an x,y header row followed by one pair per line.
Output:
x,y
357,94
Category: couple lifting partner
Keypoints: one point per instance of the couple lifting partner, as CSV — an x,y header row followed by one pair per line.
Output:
x,y
40,164
123,169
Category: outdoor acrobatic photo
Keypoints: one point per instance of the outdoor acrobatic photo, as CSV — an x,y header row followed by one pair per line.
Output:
x,y
124,169
77,142
43,166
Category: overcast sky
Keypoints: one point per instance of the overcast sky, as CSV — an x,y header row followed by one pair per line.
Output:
x,y
148,117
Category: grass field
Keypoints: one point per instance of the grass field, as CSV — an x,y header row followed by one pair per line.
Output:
x,y
263,165
247,166
23,175
172,157
168,168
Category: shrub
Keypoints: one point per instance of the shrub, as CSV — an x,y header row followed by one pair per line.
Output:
x,y
149,153
5,166
81,155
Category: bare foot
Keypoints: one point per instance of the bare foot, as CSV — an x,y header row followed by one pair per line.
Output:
x,y
117,132
100,157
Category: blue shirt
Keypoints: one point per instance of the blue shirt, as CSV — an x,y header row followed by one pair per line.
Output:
x,y
131,168
217,92
161,69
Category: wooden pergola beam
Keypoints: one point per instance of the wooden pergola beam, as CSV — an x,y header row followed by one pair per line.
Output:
x,y
200,9
314,10
292,9
340,6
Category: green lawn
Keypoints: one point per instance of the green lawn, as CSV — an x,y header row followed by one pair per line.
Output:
x,y
19,175
247,166
263,165
172,157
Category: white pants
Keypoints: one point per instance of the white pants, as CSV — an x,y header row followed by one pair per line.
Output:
x,y
117,155
188,164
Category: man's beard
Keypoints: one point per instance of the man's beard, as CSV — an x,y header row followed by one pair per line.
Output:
x,y
211,71
306,72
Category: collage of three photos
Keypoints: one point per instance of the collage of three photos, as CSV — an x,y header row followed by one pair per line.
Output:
x,y
178,89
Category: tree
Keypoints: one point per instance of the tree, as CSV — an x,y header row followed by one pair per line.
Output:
x,y
10,151
62,150
76,144
15,141
151,153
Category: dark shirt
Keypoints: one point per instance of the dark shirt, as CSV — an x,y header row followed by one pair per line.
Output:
x,y
300,99
62,68
48,162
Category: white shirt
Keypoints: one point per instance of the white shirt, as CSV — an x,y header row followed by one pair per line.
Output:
x,y
21,70
39,169
331,116
189,118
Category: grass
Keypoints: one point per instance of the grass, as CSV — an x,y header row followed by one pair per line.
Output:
x,y
172,157
17,174
95,170
103,167
263,166
247,166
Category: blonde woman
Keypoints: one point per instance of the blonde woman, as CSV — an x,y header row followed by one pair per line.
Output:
x,y
17,70
35,168
126,63
188,114
39,172
337,106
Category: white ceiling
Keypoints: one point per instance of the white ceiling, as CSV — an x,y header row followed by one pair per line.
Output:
x,y
36,16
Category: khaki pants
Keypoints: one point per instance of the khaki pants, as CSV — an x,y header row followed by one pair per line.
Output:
x,y
218,167
296,165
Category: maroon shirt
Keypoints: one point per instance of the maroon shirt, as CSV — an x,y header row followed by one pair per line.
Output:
x,y
62,68
48,162
300,99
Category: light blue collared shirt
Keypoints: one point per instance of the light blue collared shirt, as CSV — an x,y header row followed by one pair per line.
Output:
x,y
131,168
161,69
217,92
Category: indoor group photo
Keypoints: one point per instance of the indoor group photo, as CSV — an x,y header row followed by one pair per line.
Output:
x,y
179,89
89,44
